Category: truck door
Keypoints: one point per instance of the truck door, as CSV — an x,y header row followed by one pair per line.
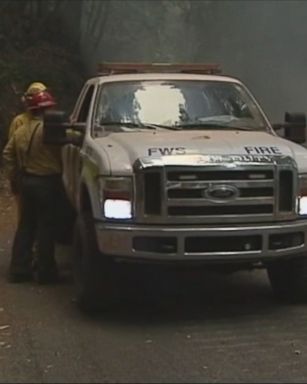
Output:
x,y
71,152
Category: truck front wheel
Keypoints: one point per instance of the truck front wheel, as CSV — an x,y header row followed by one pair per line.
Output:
x,y
288,279
93,271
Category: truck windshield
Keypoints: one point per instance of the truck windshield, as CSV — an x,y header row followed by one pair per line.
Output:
x,y
177,104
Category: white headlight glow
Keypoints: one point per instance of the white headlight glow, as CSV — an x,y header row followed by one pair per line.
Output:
x,y
303,205
117,209
302,195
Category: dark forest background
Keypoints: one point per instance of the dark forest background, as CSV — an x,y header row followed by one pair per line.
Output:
x,y
60,42
36,45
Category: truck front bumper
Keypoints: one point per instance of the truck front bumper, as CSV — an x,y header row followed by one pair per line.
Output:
x,y
203,243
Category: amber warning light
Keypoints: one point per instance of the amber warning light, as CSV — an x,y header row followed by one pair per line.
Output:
x,y
125,68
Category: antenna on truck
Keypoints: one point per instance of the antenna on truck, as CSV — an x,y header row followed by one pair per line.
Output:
x,y
106,68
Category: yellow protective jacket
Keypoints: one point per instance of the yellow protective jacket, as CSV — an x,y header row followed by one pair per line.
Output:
x,y
40,160
18,121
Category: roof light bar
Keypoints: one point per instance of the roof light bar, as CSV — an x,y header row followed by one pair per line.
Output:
x,y
125,68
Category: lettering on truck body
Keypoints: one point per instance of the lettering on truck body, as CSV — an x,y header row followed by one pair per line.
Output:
x,y
166,151
263,150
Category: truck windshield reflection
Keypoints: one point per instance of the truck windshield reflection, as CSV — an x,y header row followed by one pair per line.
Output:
x,y
178,104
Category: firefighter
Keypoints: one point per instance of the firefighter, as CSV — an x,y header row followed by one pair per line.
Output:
x,y
39,168
25,117
21,119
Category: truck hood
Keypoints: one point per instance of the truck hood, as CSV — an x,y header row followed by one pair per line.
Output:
x,y
124,149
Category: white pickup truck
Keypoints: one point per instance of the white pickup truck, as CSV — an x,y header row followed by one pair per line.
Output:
x,y
179,164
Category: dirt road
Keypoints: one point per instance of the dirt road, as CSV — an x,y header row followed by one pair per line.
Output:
x,y
231,332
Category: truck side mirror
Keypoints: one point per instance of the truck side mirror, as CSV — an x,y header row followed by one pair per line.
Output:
x,y
59,131
55,125
294,127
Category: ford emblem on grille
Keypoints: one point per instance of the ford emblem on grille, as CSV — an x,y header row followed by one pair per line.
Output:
x,y
221,192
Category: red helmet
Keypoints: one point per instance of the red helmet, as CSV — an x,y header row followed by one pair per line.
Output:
x,y
39,100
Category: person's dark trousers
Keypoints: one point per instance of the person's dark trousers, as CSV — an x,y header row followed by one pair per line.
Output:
x,y
39,194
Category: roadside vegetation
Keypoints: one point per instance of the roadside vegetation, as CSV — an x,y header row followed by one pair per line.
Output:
x,y
36,46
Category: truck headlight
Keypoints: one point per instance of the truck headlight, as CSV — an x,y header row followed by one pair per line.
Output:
x,y
116,197
302,195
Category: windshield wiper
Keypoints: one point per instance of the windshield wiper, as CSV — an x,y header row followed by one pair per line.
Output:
x,y
213,125
172,127
128,124
141,125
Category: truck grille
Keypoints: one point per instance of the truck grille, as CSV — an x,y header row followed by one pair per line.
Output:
x,y
198,194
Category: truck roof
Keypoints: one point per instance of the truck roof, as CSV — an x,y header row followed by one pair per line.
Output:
x,y
160,76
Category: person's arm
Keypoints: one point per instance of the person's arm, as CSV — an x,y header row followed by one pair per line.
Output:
x,y
10,163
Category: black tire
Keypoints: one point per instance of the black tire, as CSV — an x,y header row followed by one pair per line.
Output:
x,y
93,272
288,279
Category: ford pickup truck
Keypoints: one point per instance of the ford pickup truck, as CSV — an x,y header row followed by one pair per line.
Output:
x,y
179,164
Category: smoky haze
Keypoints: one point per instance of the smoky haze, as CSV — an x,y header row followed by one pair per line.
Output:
x,y
261,42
